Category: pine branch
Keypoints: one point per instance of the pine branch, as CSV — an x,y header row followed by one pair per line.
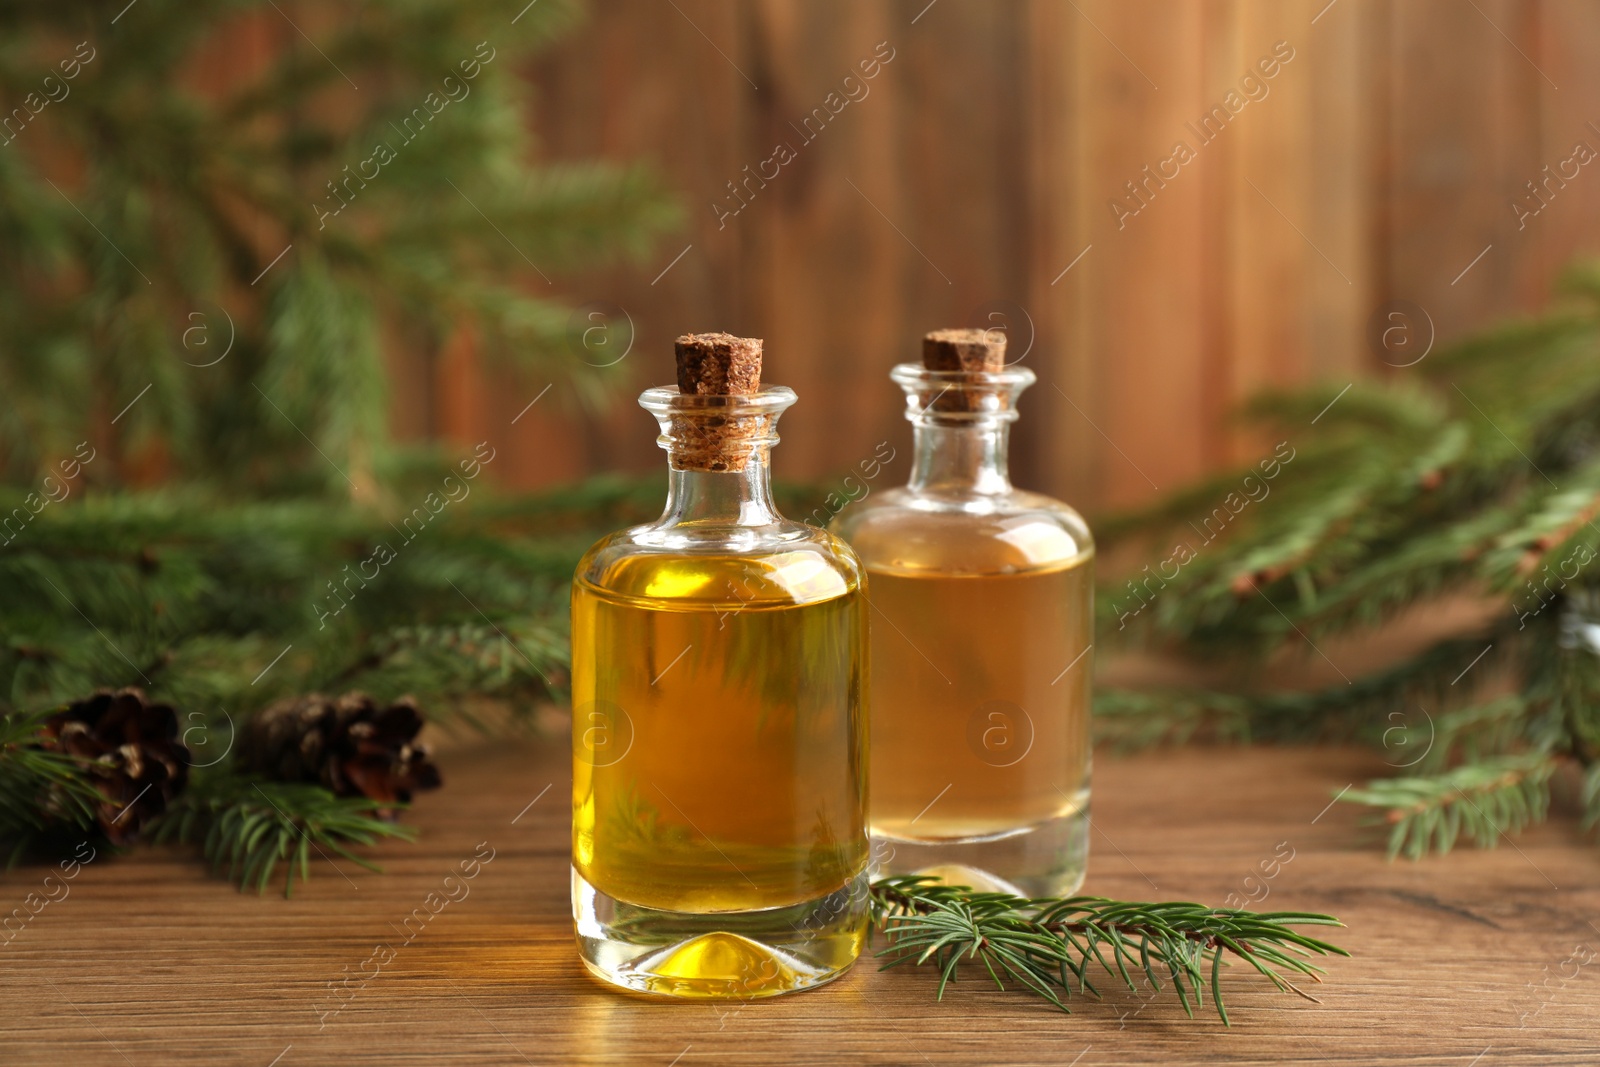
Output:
x,y
1371,708
1481,476
39,788
1591,797
193,598
1468,735
1401,493
1050,946
247,826
401,208
1129,720
1482,800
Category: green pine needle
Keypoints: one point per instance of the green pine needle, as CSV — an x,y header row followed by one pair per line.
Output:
x,y
1481,800
1051,946
39,788
247,826
1591,797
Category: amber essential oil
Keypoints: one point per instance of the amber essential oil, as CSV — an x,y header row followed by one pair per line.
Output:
x,y
992,719
982,636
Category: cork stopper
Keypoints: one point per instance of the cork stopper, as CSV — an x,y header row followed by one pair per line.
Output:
x,y
969,351
966,350
718,364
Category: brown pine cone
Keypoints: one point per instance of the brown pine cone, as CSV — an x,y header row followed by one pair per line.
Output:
x,y
137,760
347,743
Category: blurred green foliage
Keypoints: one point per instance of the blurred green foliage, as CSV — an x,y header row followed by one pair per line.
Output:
x,y
229,237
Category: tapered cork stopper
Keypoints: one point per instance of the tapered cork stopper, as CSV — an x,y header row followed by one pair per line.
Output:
x,y
718,364
969,351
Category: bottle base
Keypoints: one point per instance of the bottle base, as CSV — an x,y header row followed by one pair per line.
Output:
x,y
1046,859
726,955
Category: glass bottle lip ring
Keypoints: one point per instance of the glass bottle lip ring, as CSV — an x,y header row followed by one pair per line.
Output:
x,y
1012,378
716,433
667,400
986,397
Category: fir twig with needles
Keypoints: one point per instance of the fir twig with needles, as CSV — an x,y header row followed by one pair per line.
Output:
x,y
1050,947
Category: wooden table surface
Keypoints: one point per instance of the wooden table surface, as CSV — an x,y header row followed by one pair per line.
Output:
x,y
1478,959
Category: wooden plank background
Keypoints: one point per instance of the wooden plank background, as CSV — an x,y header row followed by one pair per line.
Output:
x,y
1381,164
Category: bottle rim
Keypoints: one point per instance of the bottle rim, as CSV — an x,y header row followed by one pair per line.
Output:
x,y
1014,377
984,398
667,400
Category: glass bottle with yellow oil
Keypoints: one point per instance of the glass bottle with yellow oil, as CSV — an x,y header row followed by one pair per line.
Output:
x,y
719,839
981,628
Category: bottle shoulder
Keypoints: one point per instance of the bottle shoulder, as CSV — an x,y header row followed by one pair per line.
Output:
x,y
900,531
787,564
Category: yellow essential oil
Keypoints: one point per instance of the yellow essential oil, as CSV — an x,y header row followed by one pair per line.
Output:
x,y
719,835
739,788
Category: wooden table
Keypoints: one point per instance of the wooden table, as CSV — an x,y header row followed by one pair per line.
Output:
x,y
1479,959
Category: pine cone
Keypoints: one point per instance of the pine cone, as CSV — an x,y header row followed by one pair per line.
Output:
x,y
137,760
348,744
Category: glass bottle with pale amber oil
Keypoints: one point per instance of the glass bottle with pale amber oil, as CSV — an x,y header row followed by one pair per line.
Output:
x,y
981,627
719,839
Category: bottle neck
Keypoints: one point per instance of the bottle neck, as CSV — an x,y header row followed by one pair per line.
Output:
x,y
722,498
719,452
967,458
